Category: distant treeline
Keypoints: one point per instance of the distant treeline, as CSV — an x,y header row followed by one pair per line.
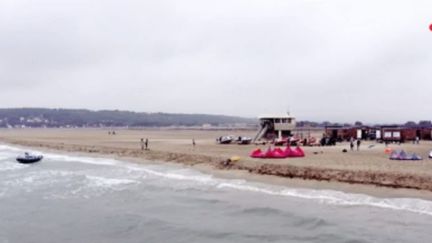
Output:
x,y
41,117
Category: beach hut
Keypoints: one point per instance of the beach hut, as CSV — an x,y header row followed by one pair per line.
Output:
x,y
364,132
422,132
392,134
341,133
410,134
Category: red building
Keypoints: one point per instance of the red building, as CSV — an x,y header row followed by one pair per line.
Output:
x,y
347,132
391,133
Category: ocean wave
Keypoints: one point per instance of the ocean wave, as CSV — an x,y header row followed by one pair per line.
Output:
x,y
180,176
93,186
73,184
81,159
109,182
36,179
10,166
261,211
339,198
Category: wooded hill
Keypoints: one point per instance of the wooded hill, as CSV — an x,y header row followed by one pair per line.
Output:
x,y
41,117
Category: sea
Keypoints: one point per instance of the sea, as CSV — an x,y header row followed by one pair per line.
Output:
x,y
68,198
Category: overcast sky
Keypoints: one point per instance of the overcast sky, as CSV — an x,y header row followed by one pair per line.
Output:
x,y
334,60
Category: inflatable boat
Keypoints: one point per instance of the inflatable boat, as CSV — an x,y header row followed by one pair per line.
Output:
x,y
28,158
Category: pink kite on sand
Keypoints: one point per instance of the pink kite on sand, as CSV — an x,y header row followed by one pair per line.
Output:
x,y
297,152
278,153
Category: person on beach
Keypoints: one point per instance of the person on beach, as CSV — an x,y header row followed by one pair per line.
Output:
x,y
358,144
146,143
352,143
142,144
193,142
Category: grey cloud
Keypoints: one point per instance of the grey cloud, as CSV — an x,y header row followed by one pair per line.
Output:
x,y
325,60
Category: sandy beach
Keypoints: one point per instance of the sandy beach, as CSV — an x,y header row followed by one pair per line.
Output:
x,y
366,171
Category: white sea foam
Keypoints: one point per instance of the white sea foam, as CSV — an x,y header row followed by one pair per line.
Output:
x,y
94,186
82,159
35,179
179,176
8,152
9,166
9,148
338,198
109,182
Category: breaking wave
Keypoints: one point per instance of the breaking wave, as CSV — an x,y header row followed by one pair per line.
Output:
x,y
109,182
338,198
86,160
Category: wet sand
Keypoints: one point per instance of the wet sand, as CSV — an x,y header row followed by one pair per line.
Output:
x,y
366,171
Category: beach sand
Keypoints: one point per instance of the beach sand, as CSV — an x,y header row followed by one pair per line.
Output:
x,y
366,171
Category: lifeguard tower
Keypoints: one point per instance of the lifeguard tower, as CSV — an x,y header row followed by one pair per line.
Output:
x,y
274,126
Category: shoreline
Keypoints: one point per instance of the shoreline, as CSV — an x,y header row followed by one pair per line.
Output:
x,y
273,174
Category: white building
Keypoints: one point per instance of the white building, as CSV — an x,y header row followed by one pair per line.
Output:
x,y
275,126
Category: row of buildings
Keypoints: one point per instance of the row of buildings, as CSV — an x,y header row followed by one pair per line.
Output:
x,y
385,133
279,126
